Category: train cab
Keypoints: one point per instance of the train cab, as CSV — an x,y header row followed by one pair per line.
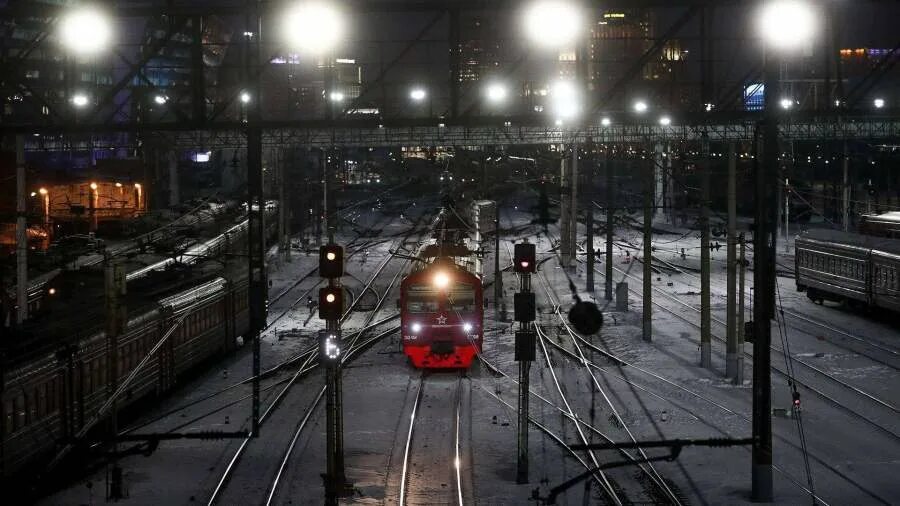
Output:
x,y
441,316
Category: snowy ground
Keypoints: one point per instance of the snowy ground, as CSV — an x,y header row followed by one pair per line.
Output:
x,y
660,393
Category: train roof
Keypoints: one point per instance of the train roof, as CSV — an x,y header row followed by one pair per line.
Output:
x,y
891,217
439,263
849,238
77,310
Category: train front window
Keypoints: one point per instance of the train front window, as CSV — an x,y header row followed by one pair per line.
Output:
x,y
421,299
462,298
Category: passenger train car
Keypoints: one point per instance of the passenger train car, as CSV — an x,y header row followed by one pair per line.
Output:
x,y
442,317
881,225
845,267
55,370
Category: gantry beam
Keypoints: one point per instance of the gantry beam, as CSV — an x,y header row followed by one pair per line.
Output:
x,y
861,129
229,8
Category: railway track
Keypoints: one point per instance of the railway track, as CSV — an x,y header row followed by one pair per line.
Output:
x,y
432,464
250,476
872,349
618,362
805,383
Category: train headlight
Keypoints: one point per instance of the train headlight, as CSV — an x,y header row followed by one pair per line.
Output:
x,y
441,280
416,327
467,327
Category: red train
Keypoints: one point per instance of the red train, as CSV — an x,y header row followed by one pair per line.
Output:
x,y
441,303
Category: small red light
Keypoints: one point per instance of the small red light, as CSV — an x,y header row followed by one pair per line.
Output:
x,y
524,263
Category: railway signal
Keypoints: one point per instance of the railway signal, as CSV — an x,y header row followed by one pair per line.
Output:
x,y
330,346
524,258
331,309
331,261
526,345
331,303
524,308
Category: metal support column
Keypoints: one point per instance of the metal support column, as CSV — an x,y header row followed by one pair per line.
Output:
x,y
589,217
845,221
524,394
573,212
257,294
335,478
610,223
198,72
454,42
739,352
764,290
787,214
115,324
21,235
648,251
498,274
564,206
731,349
705,336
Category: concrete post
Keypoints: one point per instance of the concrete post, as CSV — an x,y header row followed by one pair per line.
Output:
x,y
648,253
174,193
845,222
705,330
739,348
21,234
610,225
731,309
573,212
564,208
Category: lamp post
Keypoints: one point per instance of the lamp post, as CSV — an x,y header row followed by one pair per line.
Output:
x,y
785,25
316,28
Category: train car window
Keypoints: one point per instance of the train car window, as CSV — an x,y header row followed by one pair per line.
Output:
x,y
421,299
41,396
32,400
462,297
8,417
20,412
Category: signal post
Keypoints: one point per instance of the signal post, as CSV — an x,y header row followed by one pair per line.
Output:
x,y
524,264
331,308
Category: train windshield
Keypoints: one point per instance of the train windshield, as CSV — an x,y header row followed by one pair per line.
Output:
x,y
462,298
421,299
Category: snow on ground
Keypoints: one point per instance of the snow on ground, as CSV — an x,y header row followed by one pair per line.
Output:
x,y
661,393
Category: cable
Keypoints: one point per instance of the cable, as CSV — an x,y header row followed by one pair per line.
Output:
x,y
795,394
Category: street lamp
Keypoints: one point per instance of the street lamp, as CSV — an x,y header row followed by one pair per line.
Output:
x,y
417,94
336,96
85,31
786,103
640,107
553,24
606,121
245,97
313,27
787,24
496,93
565,100
665,121
79,100
878,103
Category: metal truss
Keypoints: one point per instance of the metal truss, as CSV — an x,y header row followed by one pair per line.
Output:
x,y
861,129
